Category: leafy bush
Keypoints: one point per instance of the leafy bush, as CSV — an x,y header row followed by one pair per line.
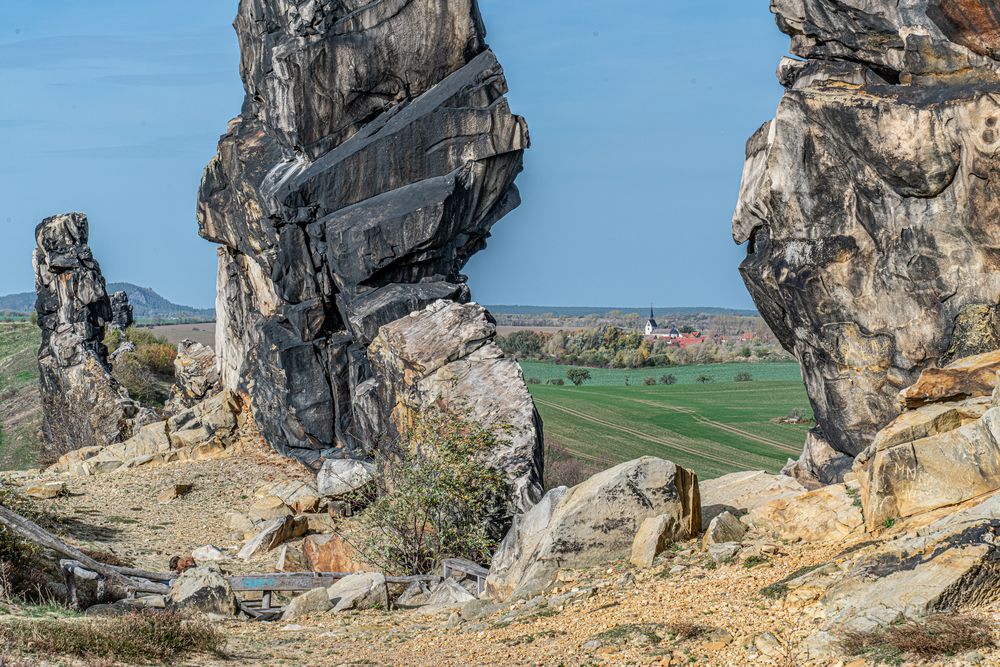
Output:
x,y
667,378
20,561
578,375
434,499
743,377
649,382
139,637
562,468
533,381
703,379
148,372
557,381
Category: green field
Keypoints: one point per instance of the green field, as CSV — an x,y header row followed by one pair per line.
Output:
x,y
20,413
712,428
615,377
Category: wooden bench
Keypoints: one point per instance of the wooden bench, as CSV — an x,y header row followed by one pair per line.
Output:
x,y
467,568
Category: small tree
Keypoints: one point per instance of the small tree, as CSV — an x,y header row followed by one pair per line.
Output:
x,y
557,381
649,382
743,377
578,375
667,378
703,379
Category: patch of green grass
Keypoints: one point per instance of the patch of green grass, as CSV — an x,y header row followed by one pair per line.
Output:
x,y
20,411
713,429
629,633
779,371
754,561
779,589
889,523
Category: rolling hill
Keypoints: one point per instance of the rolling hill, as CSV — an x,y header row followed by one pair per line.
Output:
x,y
147,304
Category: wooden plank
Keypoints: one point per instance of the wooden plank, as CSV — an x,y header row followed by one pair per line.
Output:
x,y
466,567
303,581
29,530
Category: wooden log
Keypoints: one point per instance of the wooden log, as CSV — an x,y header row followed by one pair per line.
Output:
x,y
29,530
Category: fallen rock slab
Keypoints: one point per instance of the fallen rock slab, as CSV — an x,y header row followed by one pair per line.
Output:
x,y
653,537
966,378
203,590
828,514
742,491
46,491
724,528
359,591
339,477
592,523
273,535
315,601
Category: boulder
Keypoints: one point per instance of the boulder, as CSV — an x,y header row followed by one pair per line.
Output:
x,y
173,492
366,590
196,375
330,553
339,477
316,601
301,497
724,528
653,537
742,491
46,490
208,554
966,378
273,535
723,552
862,207
903,479
82,404
291,559
593,523
373,154
829,514
268,509
203,590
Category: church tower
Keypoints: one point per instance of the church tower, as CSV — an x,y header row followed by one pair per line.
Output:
x,y
651,323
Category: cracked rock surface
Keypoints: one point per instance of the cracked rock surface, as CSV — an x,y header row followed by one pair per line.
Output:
x,y
868,204
374,152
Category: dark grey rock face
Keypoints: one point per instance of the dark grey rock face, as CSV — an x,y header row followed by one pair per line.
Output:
x,y
374,153
82,404
868,203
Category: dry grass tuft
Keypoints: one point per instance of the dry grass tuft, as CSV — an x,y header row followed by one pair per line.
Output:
x,y
141,637
932,637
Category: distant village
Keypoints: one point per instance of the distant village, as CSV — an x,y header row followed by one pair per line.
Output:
x,y
687,336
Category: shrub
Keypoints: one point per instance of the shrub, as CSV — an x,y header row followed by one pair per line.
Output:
x,y
158,357
935,636
138,637
667,378
434,499
743,377
533,381
557,381
703,379
562,468
21,563
578,375
649,382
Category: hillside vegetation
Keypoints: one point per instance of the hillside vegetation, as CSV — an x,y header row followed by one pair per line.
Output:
x,y
20,411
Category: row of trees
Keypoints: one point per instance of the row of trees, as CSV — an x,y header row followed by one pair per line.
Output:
x,y
613,347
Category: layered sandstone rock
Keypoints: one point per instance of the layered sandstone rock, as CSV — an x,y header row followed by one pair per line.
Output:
x,y
868,203
374,153
83,405
196,375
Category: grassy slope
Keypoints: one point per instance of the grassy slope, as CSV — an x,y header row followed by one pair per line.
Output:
x,y
20,414
713,428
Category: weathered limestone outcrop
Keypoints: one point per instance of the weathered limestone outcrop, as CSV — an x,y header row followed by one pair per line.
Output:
x,y
868,203
374,153
83,405
595,522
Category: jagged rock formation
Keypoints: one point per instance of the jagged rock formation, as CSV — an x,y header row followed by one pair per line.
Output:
x,y
868,205
196,376
83,405
374,152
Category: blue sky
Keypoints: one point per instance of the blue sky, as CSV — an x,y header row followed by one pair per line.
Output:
x,y
639,111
